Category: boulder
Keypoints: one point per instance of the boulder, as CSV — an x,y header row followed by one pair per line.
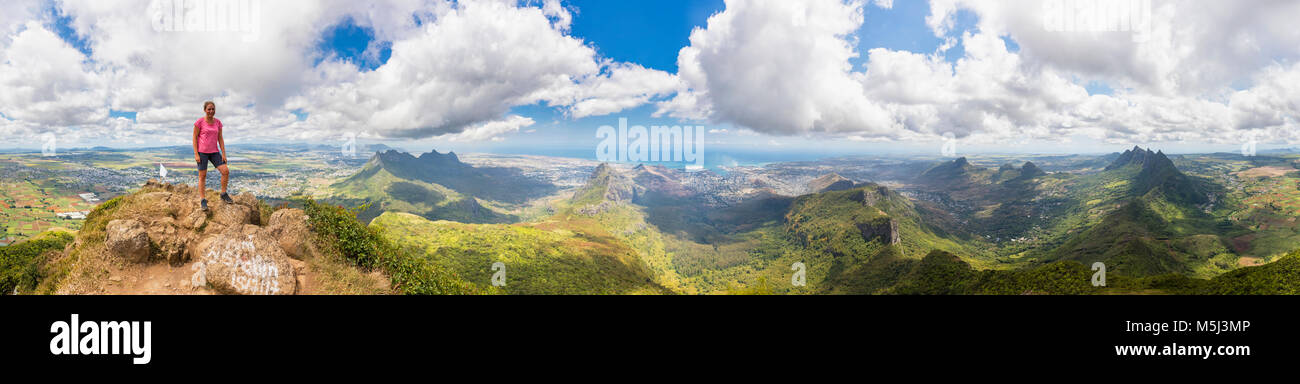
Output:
x,y
245,260
248,200
289,226
230,215
127,240
171,242
194,219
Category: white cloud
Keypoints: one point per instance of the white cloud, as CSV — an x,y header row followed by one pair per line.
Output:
x,y
47,82
553,9
784,68
1193,47
623,86
492,130
474,63
778,67
454,66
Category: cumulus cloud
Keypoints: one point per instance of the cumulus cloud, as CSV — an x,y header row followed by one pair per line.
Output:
x,y
47,82
1174,77
622,86
492,131
478,60
784,68
455,67
778,67
472,65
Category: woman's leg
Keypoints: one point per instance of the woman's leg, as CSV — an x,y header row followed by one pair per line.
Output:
x,y
225,177
203,183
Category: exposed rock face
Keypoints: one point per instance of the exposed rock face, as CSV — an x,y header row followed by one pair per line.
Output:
x,y
245,261
127,240
226,248
593,210
289,226
227,215
882,229
170,241
871,196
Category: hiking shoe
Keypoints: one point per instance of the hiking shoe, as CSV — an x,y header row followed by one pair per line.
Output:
x,y
204,203
226,198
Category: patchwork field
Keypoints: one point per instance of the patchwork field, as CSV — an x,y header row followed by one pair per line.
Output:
x,y
27,209
1270,204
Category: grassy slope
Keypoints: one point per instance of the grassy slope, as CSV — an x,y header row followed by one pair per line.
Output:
x,y
1149,234
389,193
557,257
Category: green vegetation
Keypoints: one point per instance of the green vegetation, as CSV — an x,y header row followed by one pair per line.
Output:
x,y
383,191
860,220
1281,277
556,257
338,230
22,265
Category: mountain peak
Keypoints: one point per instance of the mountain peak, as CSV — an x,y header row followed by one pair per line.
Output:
x,y
1031,170
948,172
1144,157
830,182
436,158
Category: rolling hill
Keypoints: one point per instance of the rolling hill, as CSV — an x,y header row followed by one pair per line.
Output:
x,y
552,257
438,187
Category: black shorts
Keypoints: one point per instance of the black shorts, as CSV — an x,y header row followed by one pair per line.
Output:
x,y
214,157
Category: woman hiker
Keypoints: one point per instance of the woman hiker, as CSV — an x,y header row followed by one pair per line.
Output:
x,y
210,146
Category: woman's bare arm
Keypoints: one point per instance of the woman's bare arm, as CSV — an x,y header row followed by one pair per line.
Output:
x,y
221,139
196,142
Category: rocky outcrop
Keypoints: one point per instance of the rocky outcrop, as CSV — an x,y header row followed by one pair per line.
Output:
x,y
884,230
226,247
127,240
289,227
246,261
871,195
170,241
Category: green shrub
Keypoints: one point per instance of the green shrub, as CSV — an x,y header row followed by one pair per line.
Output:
x,y
339,230
20,264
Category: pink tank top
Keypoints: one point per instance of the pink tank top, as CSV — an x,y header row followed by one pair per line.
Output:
x,y
208,134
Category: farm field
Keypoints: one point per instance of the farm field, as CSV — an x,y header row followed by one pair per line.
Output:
x,y
27,209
